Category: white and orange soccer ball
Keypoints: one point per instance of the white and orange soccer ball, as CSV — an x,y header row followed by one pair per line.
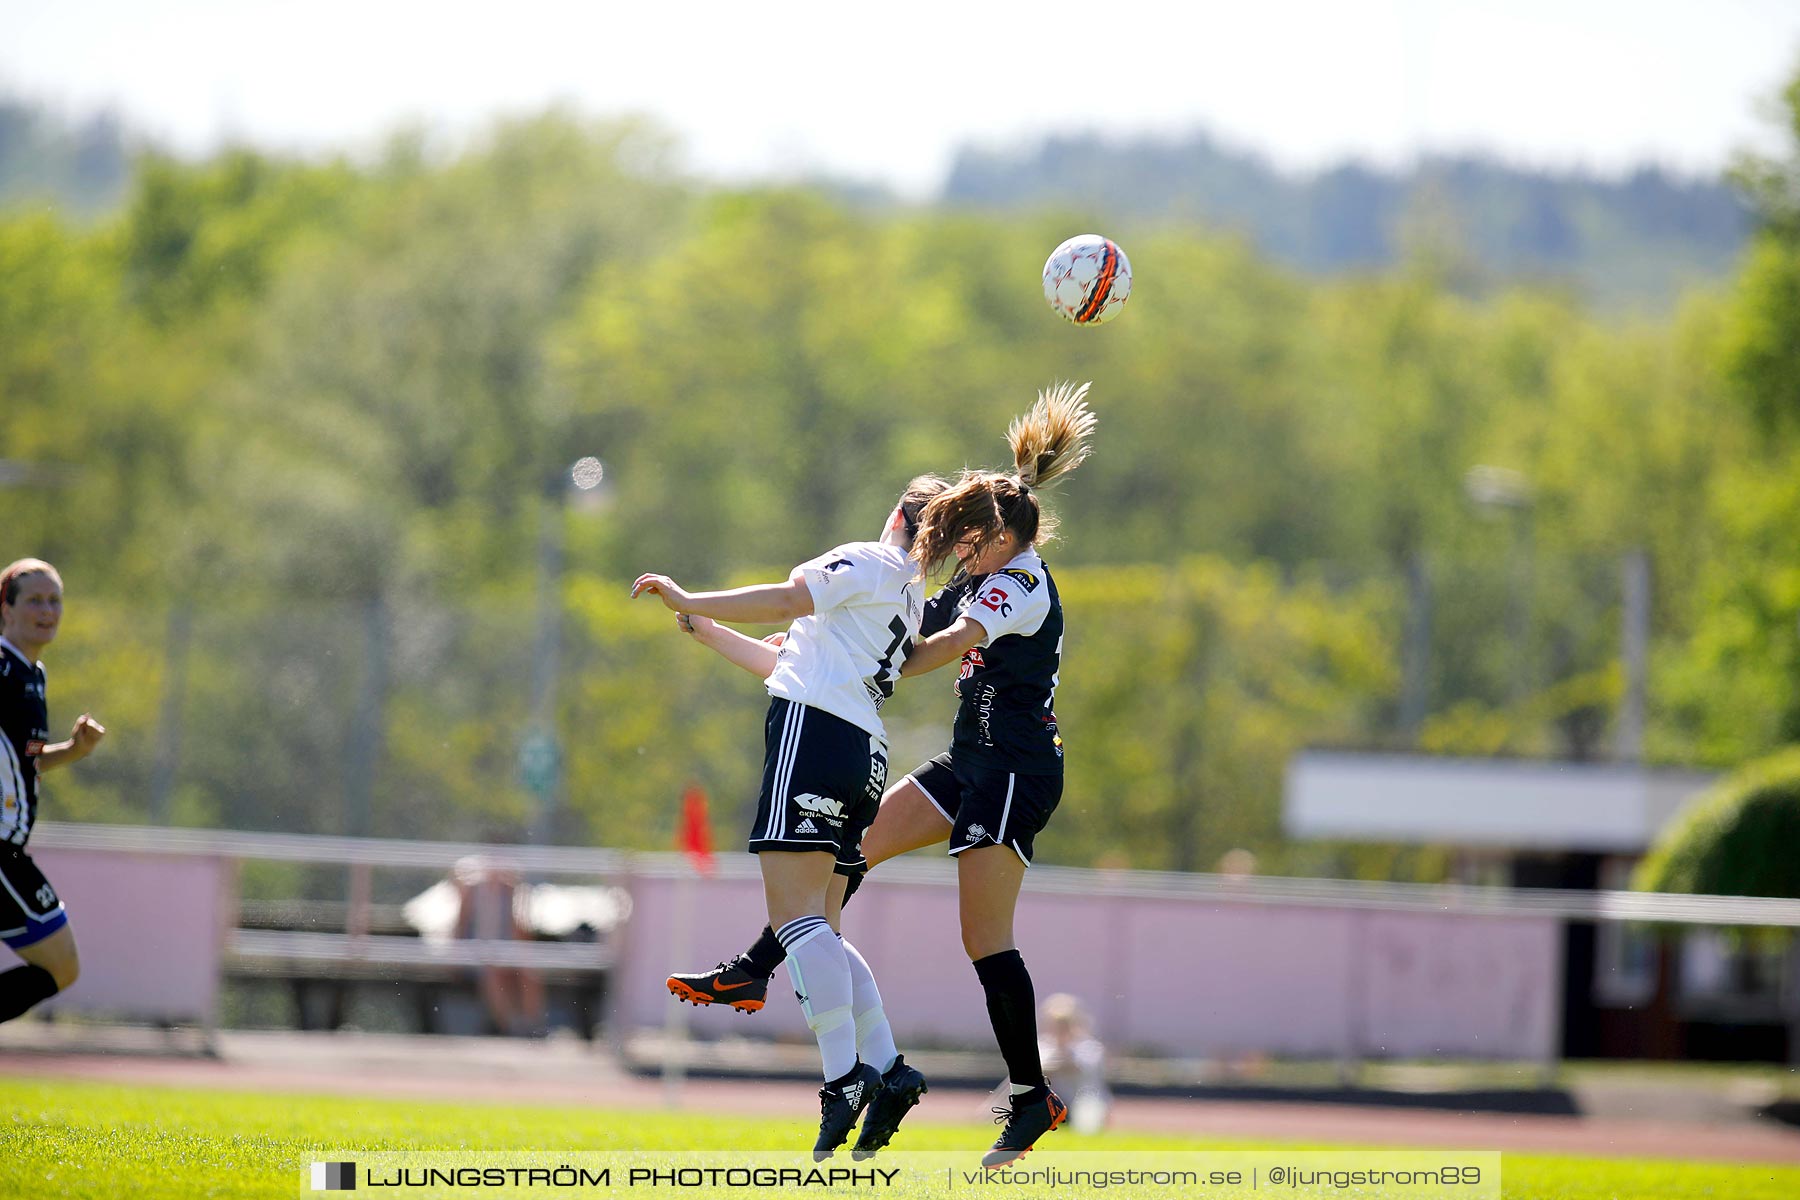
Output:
x,y
1087,279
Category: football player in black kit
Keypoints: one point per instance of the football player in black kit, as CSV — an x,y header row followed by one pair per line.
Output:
x,y
1002,777
32,919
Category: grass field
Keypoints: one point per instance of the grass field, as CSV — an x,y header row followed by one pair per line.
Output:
x,y
98,1142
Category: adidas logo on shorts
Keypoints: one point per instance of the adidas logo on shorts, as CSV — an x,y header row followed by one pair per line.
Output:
x,y
806,826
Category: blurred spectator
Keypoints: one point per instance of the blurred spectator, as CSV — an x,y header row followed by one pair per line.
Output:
x,y
1074,1057
1237,864
489,899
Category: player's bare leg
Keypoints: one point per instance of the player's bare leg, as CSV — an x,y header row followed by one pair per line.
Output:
x,y
57,955
906,821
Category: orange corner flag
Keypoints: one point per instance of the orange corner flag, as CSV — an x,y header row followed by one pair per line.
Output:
x,y
695,833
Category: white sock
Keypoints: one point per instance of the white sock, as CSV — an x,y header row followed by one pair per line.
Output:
x,y
874,1038
820,972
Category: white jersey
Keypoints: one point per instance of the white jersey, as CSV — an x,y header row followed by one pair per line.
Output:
x,y
845,656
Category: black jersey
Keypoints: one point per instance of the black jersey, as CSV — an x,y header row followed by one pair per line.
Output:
x,y
1007,683
24,728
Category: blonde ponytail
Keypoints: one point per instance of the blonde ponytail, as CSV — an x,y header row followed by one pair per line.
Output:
x,y
1047,443
1052,439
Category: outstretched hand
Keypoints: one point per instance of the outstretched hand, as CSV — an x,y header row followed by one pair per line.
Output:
x,y
699,627
664,588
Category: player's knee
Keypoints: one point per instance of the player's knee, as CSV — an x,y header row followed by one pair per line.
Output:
x,y
66,970
783,910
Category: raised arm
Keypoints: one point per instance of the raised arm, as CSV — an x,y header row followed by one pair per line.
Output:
x,y
755,655
759,604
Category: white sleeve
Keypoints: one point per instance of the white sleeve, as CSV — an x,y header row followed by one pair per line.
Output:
x,y
1010,601
842,576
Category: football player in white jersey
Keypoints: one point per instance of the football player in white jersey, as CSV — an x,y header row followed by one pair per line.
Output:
x,y
1002,777
855,611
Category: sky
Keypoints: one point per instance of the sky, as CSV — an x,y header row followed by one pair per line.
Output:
x,y
888,93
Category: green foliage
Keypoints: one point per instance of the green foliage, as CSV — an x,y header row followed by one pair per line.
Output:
x,y
1185,689
1762,353
1740,681
194,236
319,417
1737,840
393,426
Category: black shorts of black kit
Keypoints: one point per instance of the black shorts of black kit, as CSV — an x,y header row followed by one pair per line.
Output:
x,y
30,909
821,786
988,806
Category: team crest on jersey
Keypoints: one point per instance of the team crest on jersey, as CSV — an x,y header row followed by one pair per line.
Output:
x,y
1026,579
34,747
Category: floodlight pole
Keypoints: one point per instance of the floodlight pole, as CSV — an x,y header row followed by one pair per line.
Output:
x,y
1507,490
1635,655
578,486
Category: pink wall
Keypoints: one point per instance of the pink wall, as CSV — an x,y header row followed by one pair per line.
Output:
x,y
1179,976
1200,975
150,930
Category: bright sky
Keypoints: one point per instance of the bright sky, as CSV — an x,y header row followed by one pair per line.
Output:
x,y
887,92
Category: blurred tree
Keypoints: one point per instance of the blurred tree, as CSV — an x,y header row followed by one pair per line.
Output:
x,y
394,439
1762,355
1748,628
1735,841
326,406
1186,687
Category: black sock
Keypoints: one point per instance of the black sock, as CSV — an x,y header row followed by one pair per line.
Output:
x,y
852,882
1012,1009
22,987
762,958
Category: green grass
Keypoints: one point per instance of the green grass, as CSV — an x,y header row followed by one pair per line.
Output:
x,y
97,1142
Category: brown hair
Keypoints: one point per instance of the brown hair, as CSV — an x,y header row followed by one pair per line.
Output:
x,y
18,570
1047,443
920,492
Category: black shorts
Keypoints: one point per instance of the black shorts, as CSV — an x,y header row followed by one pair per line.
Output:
x,y
988,806
30,909
821,786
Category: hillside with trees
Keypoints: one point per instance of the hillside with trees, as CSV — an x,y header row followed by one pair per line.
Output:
x,y
1629,243
299,435
80,166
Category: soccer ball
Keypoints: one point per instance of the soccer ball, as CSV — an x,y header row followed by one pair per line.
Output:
x,y
1087,279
